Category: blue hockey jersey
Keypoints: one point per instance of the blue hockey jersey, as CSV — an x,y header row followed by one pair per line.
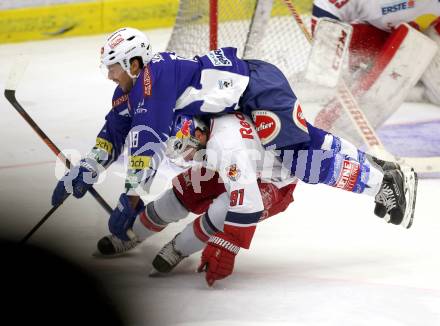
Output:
x,y
169,84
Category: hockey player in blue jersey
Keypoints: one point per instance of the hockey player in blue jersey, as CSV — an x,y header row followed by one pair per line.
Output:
x,y
152,88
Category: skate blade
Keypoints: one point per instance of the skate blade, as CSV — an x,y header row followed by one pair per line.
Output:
x,y
98,254
155,273
411,182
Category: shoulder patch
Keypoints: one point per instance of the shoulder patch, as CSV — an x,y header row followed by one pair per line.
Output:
x,y
104,144
147,82
157,58
119,100
218,58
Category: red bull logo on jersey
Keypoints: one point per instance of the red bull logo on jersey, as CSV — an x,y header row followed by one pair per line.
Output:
x,y
185,130
267,124
233,172
397,6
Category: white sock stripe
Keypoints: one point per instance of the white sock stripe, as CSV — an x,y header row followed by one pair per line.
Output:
x,y
204,228
153,217
152,221
240,225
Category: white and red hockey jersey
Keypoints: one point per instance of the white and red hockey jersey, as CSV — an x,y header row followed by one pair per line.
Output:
x,y
383,14
235,152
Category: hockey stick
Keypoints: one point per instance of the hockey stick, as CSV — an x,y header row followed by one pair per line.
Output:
x,y
11,85
37,226
360,121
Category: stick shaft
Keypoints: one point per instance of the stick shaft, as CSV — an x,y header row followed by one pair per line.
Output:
x,y
10,96
37,226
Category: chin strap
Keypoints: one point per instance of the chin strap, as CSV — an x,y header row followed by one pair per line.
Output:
x,y
134,77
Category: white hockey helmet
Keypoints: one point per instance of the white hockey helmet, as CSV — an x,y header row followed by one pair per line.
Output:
x,y
123,45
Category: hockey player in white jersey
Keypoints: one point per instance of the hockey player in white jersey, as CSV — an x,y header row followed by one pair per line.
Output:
x,y
211,226
238,184
394,44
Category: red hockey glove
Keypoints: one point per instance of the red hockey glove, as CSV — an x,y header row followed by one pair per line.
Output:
x,y
218,257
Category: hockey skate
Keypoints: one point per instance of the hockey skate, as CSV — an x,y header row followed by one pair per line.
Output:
x,y
167,258
380,210
111,245
396,199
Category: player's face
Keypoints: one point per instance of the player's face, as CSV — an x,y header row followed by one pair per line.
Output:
x,y
120,77
201,136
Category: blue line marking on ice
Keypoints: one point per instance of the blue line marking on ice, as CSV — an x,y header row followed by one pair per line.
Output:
x,y
413,139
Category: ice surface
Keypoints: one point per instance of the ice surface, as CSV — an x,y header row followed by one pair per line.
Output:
x,y
326,261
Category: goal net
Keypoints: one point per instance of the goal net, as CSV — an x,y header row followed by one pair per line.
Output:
x,y
258,29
